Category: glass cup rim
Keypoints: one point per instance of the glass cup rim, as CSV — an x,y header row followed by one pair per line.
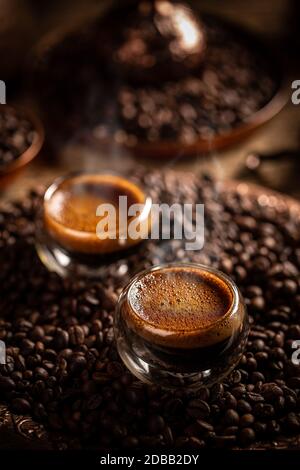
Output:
x,y
58,181
236,297
73,174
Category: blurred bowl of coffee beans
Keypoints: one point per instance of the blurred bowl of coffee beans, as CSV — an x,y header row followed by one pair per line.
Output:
x,y
21,139
156,79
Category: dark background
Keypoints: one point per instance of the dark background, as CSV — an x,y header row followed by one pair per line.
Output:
x,y
24,23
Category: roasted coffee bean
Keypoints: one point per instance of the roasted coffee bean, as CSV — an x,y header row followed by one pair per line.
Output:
x,y
263,410
28,374
174,407
20,405
76,335
33,361
251,364
77,364
41,373
260,428
230,431
257,304
39,412
254,397
258,345
96,326
27,347
133,397
292,422
247,436
101,377
231,417
257,377
261,357
39,346
204,425
6,384
243,406
16,375
60,339
239,391
192,430
91,300
130,442
246,420
294,332
204,394
230,401
94,402
49,366
270,391
198,409
226,265
225,440
168,436
273,427
50,355
217,391
37,334
294,382
193,443
235,377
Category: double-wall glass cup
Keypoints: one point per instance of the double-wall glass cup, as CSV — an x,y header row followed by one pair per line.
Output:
x,y
86,219
181,324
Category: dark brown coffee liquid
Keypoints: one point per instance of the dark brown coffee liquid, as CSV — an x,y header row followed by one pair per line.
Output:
x,y
180,300
181,307
71,213
182,319
74,204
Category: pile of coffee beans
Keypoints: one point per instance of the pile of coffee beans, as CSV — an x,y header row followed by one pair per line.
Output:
x,y
149,41
16,135
62,365
208,102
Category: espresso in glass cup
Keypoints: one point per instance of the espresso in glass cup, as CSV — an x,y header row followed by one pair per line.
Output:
x,y
181,324
69,240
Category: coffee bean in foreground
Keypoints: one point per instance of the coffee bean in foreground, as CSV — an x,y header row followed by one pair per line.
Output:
x,y
181,325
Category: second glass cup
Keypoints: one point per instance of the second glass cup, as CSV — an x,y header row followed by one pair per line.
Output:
x,y
86,217
181,325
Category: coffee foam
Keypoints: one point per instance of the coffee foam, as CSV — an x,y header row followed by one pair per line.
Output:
x,y
182,307
70,211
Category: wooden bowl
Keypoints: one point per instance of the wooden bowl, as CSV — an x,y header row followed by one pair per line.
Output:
x,y
11,170
171,147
